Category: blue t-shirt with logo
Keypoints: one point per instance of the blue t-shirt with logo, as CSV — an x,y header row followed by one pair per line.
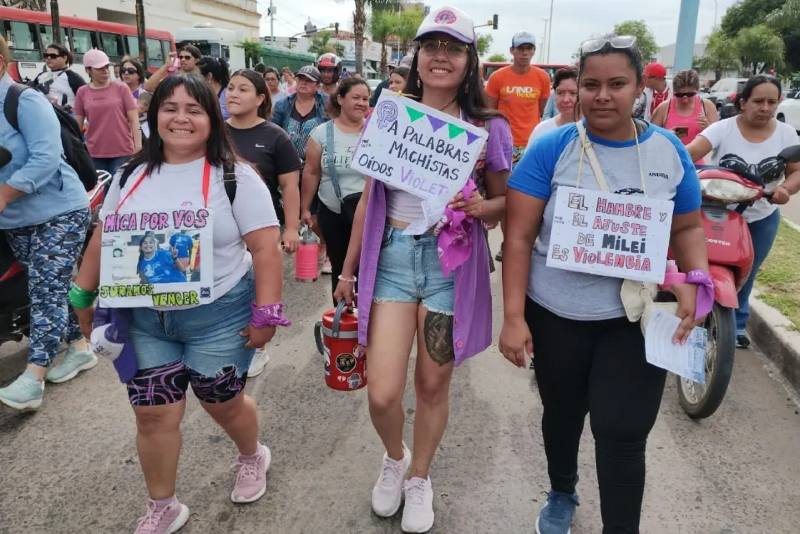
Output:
x,y
160,269
182,243
552,161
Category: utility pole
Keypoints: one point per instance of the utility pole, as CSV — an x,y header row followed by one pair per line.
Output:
x,y
55,17
271,13
140,31
543,47
550,32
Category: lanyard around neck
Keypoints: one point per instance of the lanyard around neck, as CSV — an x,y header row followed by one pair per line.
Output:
x,y
594,163
206,186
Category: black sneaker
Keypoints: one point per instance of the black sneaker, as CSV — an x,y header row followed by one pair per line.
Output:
x,y
742,341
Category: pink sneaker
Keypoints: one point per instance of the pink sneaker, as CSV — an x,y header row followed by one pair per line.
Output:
x,y
251,476
163,521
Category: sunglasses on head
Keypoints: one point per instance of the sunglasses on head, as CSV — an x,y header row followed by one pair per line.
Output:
x,y
52,56
128,70
618,42
689,94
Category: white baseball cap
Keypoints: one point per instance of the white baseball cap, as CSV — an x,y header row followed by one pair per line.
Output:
x,y
523,38
451,21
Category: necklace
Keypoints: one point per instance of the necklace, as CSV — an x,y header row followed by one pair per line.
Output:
x,y
448,104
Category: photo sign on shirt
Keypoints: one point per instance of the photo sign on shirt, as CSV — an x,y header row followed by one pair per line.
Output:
x,y
159,258
608,234
418,149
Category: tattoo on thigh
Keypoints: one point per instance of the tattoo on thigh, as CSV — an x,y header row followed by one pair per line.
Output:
x,y
439,337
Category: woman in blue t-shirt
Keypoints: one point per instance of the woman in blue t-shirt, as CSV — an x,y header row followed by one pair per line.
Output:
x,y
155,265
589,358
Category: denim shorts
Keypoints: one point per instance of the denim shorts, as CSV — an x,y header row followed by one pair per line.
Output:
x,y
409,271
204,339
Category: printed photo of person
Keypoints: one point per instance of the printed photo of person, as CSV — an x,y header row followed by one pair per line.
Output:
x,y
156,265
181,244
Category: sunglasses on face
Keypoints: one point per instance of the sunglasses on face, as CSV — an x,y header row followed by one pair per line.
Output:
x,y
128,70
690,94
185,58
619,42
451,48
52,56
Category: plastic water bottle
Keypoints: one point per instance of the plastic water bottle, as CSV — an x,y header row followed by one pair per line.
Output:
x,y
306,263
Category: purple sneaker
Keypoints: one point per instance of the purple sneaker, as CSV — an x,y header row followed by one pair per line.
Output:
x,y
164,520
251,476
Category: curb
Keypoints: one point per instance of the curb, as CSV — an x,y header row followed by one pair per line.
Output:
x,y
777,338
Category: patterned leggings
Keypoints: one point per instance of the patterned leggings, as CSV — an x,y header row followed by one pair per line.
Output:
x,y
49,252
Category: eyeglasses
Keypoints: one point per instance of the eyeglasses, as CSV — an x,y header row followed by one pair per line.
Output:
x,y
690,94
52,56
619,42
451,48
186,58
129,70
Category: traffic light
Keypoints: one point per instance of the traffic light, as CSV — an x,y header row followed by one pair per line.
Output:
x,y
494,21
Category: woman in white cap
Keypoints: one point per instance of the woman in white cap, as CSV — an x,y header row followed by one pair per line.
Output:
x,y
403,292
112,114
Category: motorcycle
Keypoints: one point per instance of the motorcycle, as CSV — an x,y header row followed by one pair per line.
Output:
x,y
727,191
14,302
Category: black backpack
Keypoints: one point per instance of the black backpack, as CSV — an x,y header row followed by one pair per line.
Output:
x,y
75,152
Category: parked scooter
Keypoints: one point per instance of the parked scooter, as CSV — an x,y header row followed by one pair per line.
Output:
x,y
14,302
727,190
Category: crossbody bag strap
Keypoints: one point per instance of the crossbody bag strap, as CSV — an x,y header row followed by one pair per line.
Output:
x,y
594,163
330,160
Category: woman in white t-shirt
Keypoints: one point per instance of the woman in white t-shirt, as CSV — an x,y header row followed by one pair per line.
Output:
x,y
210,345
565,87
753,136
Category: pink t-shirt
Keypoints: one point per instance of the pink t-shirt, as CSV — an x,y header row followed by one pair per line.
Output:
x,y
108,134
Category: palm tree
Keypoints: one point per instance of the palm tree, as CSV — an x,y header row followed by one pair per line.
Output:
x,y
359,22
381,26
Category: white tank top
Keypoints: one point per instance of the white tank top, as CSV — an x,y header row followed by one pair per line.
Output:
x,y
402,205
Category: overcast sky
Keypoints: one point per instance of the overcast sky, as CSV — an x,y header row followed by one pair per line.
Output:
x,y
573,20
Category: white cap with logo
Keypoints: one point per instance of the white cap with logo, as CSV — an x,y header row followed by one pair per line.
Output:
x,y
451,21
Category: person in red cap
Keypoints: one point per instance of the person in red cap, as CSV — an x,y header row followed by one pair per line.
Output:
x,y
656,91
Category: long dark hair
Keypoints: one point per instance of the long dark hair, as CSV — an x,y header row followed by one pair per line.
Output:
x,y
219,149
470,95
136,65
217,67
345,86
265,109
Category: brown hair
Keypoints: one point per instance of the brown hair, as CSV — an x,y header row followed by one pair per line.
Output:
x,y
4,51
565,73
265,109
686,78
344,87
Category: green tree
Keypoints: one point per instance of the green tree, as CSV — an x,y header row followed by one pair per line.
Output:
x,y
747,13
497,58
719,55
484,43
381,25
321,44
644,37
786,21
408,22
252,52
781,15
759,48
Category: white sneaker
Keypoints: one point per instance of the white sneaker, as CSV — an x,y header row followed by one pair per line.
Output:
x,y
418,512
387,494
257,364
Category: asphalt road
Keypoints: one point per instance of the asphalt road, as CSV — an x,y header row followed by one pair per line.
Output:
x,y
72,466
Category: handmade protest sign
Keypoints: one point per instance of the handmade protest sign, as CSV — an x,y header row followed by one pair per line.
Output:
x,y
623,236
418,149
153,258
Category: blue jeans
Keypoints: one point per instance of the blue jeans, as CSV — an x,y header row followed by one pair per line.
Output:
x,y
109,164
763,233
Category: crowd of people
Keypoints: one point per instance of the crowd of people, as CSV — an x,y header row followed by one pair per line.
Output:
x,y
269,151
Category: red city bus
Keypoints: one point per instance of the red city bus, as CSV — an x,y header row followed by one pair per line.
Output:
x,y
29,32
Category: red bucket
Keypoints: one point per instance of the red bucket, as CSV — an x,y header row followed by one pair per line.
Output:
x,y
337,340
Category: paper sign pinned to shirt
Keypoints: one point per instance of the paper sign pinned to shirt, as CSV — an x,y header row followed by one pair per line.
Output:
x,y
608,234
153,258
418,149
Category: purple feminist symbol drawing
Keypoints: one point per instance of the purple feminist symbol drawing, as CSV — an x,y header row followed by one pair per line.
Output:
x,y
387,113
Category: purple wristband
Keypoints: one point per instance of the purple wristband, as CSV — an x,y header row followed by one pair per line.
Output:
x,y
705,291
268,315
